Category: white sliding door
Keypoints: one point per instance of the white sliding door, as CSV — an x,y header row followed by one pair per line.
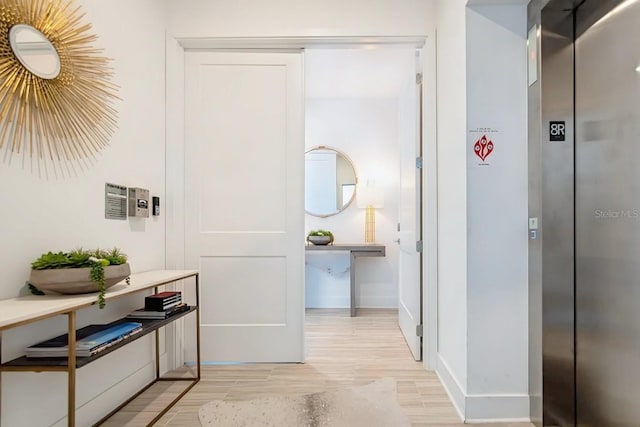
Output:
x,y
244,202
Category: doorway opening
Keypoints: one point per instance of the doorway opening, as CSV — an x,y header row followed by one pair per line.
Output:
x,y
223,324
362,109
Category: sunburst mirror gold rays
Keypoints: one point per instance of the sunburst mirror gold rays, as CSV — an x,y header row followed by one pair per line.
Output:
x,y
56,93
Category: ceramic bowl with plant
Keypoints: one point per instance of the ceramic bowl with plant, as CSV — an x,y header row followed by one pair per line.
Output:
x,y
78,272
320,237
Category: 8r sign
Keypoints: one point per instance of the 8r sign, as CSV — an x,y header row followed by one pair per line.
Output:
x,y
557,131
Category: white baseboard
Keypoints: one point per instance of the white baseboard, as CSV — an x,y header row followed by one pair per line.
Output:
x,y
328,301
337,301
486,408
497,408
378,302
499,421
452,386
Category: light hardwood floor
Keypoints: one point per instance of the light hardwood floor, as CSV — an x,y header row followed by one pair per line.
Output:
x,y
340,351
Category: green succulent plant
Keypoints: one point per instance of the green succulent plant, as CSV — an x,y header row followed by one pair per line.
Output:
x,y
321,233
52,260
80,258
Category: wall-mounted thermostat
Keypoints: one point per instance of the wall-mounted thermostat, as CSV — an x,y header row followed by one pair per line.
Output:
x,y
138,202
115,201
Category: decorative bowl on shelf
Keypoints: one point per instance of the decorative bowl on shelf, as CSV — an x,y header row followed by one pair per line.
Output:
x,y
76,280
319,240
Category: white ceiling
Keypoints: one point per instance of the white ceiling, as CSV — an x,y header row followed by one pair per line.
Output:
x,y
358,73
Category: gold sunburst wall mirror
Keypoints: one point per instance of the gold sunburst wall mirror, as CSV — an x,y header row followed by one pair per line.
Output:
x,y
56,90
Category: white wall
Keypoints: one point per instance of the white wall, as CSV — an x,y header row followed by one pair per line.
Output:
x,y
62,213
497,215
482,245
452,198
276,18
366,131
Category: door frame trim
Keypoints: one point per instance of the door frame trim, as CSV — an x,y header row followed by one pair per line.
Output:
x,y
175,166
294,43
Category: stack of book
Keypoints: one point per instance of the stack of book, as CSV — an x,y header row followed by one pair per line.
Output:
x,y
90,340
160,306
162,301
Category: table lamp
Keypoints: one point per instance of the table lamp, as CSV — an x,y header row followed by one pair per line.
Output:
x,y
370,198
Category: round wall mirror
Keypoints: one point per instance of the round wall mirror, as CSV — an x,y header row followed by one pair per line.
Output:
x,y
34,51
330,182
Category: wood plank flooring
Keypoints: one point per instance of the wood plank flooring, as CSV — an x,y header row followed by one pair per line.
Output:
x,y
341,351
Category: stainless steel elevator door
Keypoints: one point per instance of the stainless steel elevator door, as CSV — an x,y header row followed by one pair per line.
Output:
x,y
608,220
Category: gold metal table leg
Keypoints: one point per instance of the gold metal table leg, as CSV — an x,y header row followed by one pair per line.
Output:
x,y
157,345
0,379
71,364
197,277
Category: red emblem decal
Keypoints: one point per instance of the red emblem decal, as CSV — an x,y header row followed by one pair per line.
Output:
x,y
483,147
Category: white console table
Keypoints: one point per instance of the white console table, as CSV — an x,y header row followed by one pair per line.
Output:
x,y
20,311
355,252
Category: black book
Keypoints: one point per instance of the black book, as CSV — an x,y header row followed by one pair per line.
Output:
x,y
160,314
162,300
158,305
165,294
89,340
